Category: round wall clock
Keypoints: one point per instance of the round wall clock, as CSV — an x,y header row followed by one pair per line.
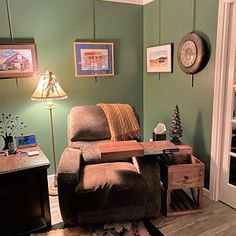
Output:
x,y
191,53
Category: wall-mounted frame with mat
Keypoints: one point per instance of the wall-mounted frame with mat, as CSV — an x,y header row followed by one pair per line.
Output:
x,y
18,56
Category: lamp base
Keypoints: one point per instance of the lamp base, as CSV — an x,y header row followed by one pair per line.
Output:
x,y
53,186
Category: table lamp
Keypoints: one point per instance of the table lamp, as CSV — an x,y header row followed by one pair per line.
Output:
x,y
48,89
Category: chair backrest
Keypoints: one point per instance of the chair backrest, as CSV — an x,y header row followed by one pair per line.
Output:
x,y
87,123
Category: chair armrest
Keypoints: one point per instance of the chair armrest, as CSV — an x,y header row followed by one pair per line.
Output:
x,y
67,178
70,161
148,167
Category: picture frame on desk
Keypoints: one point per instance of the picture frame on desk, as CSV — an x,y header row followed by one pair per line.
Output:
x,y
25,141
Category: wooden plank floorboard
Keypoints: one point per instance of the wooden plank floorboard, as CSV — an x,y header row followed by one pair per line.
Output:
x,y
55,210
216,218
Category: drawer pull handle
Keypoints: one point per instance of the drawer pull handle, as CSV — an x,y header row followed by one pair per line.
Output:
x,y
186,177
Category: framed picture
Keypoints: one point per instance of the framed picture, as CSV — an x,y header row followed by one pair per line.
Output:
x,y
93,59
18,60
159,58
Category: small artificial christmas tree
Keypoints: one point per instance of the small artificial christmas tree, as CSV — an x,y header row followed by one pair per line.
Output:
x,y
176,128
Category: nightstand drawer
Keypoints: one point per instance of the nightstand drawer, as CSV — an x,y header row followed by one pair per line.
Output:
x,y
181,172
188,177
182,180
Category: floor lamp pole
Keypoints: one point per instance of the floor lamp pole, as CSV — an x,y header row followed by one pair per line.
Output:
x,y
48,89
50,108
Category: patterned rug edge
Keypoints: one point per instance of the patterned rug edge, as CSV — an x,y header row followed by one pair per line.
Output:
x,y
60,230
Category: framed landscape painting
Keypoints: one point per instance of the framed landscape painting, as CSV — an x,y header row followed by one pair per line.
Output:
x,y
159,58
18,60
93,59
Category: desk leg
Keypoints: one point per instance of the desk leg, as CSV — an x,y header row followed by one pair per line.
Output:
x,y
168,201
200,197
45,198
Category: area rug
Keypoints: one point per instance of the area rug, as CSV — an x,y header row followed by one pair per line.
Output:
x,y
134,228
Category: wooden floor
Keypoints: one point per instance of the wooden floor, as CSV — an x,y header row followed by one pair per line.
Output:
x,y
215,219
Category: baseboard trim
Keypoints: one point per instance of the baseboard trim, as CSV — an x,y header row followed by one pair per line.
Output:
x,y
51,177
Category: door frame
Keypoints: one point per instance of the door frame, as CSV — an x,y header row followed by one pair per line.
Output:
x,y
217,135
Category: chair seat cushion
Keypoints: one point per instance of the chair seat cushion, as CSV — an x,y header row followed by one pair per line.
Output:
x,y
105,186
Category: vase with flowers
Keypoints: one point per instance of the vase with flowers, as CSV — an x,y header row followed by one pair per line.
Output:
x,y
9,127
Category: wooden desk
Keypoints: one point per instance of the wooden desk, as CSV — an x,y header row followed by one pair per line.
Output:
x,y
187,172
24,200
133,148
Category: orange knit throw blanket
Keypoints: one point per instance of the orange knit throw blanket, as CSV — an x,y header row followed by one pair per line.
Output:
x,y
122,121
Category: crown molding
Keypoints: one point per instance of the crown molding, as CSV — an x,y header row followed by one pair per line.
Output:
x,y
147,1
138,2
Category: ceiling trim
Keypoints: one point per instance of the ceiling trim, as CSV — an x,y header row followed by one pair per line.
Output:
x,y
147,1
138,2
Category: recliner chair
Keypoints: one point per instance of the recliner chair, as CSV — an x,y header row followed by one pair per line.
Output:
x,y
93,190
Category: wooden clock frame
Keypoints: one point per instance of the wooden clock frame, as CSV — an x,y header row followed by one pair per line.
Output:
x,y
200,53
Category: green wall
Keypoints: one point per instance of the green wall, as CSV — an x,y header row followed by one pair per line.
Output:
x,y
55,25
162,94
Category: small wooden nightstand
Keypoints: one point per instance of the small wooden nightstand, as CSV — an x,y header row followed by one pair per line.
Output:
x,y
24,193
182,178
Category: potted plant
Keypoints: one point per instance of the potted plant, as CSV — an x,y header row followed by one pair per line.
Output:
x,y
9,127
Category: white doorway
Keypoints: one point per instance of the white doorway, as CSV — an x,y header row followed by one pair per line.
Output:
x,y
223,158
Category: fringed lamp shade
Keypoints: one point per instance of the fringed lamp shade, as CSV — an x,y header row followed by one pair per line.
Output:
x,y
48,89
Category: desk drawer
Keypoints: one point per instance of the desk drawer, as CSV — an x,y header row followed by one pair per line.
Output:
x,y
188,177
182,172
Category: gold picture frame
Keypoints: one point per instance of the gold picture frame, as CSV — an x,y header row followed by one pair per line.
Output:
x,y
94,59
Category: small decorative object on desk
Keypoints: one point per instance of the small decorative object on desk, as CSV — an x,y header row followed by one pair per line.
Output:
x,y
9,127
159,132
176,128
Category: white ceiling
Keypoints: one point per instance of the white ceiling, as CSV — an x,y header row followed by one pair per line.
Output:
x,y
139,2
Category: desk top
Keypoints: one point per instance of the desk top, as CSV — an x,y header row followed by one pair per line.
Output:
x,y
20,161
121,149
133,148
159,147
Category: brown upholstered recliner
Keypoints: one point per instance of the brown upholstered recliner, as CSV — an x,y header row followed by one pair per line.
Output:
x,y
92,190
